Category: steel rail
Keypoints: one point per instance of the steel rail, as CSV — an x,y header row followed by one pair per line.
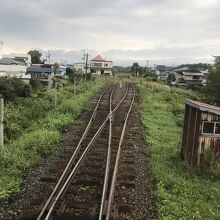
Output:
x,y
81,159
72,159
115,172
106,179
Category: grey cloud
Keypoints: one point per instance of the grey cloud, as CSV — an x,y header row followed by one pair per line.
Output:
x,y
122,29
163,55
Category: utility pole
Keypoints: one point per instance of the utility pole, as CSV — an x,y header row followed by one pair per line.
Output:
x,y
147,67
86,64
74,87
55,98
84,56
48,56
1,122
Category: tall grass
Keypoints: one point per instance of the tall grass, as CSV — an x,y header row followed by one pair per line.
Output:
x,y
16,158
181,192
40,133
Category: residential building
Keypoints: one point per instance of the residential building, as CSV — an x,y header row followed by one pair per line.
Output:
x,y
190,77
160,69
23,58
79,67
163,71
100,66
71,66
12,68
44,72
60,69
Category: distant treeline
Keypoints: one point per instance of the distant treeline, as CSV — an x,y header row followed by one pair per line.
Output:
x,y
202,66
194,66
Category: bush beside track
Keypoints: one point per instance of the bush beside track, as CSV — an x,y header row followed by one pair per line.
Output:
x,y
182,192
34,128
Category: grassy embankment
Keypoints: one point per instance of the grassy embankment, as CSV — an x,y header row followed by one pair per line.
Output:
x,y
182,193
34,128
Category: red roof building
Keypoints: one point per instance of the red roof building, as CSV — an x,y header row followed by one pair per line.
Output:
x,y
101,66
98,58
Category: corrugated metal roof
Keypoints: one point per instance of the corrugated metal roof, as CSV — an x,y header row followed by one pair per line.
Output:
x,y
203,106
10,61
161,67
39,70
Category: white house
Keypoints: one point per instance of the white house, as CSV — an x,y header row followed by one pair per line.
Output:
x,y
100,66
61,69
79,67
23,58
190,77
11,68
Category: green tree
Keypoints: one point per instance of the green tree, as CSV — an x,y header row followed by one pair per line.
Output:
x,y
70,72
213,82
56,68
196,66
35,56
171,78
35,83
136,68
11,88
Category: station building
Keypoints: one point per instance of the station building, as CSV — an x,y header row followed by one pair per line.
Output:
x,y
101,66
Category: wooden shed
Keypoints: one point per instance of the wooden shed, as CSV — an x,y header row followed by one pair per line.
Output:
x,y
201,131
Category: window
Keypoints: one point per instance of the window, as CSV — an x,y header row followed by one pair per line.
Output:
x,y
211,128
217,128
196,77
208,127
97,64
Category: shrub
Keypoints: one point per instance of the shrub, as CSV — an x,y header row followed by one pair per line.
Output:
x,y
35,83
33,128
55,121
12,88
22,113
18,157
181,192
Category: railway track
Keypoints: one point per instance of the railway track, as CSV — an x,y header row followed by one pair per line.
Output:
x,y
86,187
110,182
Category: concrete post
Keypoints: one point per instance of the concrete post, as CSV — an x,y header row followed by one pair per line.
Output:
x,y
74,87
55,98
1,121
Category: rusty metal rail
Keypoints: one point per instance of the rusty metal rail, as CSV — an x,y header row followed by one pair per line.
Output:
x,y
70,171
71,161
106,179
115,172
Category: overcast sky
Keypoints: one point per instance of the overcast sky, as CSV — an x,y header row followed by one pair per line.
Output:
x,y
163,31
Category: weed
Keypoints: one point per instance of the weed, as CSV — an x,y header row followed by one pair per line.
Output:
x,y
33,127
181,192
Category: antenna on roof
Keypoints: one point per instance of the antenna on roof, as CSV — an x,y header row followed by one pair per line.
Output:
x,y
84,56
48,56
